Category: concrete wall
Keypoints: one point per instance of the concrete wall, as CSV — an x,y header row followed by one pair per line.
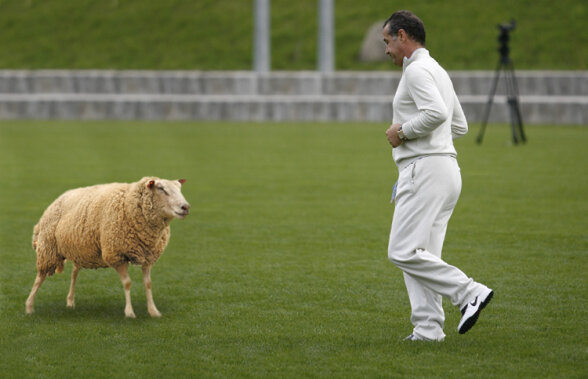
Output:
x,y
549,97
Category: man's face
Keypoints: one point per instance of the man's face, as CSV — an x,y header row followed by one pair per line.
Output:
x,y
393,46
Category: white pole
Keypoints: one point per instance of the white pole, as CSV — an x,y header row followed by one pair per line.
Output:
x,y
326,35
261,38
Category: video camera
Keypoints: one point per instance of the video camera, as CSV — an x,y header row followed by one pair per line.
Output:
x,y
505,28
503,38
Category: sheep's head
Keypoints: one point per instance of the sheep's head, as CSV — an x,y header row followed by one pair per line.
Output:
x,y
168,198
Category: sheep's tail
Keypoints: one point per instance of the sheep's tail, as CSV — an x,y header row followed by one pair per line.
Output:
x,y
35,236
45,244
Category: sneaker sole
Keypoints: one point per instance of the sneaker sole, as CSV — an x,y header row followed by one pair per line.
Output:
x,y
472,320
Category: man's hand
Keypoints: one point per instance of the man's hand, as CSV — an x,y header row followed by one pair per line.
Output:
x,y
392,135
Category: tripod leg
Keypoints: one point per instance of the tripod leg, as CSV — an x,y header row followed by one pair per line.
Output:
x,y
518,109
521,131
489,103
512,111
516,118
510,102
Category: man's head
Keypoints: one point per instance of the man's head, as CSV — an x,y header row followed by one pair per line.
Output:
x,y
403,33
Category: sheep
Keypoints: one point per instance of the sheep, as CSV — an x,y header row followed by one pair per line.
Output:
x,y
108,225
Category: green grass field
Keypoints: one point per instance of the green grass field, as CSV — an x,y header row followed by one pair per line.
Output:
x,y
218,34
281,269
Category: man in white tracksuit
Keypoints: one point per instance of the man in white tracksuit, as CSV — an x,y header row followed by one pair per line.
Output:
x,y
427,117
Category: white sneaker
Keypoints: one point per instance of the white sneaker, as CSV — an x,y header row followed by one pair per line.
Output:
x,y
414,337
472,310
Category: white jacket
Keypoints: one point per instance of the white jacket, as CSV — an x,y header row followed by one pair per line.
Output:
x,y
426,105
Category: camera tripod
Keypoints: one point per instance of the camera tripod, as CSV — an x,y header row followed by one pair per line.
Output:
x,y
505,64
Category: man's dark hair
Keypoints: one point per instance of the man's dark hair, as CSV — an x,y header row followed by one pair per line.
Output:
x,y
412,25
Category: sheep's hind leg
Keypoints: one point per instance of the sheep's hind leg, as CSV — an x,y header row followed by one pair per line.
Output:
x,y
70,295
31,299
123,271
151,308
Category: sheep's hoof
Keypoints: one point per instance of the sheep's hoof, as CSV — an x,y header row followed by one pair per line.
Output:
x,y
30,310
155,313
130,314
71,304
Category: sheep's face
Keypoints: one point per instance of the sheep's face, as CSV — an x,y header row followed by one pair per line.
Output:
x,y
168,198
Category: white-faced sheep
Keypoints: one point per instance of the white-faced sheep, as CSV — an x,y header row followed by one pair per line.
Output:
x,y
108,225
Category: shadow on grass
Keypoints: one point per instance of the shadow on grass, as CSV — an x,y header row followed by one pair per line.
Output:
x,y
106,310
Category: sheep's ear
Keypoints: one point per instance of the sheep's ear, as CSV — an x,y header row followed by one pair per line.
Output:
x,y
150,184
182,181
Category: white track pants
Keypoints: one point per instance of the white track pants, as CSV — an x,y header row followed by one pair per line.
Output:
x,y
426,195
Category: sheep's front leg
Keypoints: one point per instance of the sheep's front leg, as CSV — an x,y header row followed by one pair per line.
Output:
x,y
151,308
123,271
70,295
